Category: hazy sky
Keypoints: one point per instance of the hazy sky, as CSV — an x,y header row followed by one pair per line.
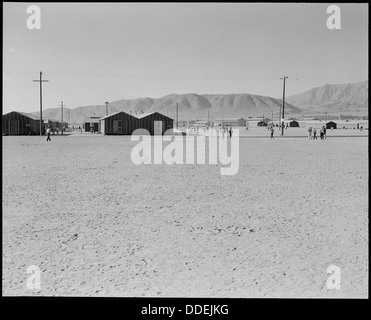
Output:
x,y
97,52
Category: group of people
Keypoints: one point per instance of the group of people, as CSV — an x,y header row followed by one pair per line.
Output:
x,y
269,126
51,130
226,130
312,133
77,128
223,130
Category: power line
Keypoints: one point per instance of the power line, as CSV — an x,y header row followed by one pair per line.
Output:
x,y
194,76
82,99
171,76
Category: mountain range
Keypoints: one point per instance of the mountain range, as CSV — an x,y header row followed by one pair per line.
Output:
x,y
349,97
333,98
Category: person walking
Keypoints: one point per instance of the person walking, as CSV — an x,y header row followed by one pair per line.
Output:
x,y
48,134
230,131
309,133
324,132
272,133
321,133
314,134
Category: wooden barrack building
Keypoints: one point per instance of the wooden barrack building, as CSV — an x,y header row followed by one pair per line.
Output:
x,y
118,123
21,123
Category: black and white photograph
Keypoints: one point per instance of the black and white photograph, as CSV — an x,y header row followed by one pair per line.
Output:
x,y
185,150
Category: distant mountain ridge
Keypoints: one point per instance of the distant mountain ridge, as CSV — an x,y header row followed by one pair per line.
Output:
x,y
351,97
191,106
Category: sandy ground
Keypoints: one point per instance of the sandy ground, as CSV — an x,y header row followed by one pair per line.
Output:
x,y
98,225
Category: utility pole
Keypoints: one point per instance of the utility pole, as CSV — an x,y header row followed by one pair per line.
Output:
x,y
106,107
279,120
62,116
41,101
208,121
283,103
177,116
